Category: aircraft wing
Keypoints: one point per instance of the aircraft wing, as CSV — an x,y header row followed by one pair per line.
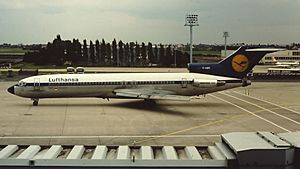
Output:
x,y
150,94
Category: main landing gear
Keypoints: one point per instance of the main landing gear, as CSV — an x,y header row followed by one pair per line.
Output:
x,y
35,101
149,101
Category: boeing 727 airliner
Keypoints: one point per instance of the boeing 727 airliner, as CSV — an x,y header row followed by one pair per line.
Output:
x,y
202,79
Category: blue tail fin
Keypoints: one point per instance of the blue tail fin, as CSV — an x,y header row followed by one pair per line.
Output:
x,y
237,65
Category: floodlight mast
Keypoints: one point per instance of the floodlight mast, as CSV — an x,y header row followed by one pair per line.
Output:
x,y
225,35
191,20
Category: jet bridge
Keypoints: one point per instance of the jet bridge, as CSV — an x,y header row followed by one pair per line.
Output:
x,y
236,150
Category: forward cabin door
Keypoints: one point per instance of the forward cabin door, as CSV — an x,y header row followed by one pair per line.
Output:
x,y
184,83
36,84
123,84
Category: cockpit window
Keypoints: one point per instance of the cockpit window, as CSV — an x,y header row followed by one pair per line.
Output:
x,y
22,83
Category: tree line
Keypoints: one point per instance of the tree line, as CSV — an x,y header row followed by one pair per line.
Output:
x,y
102,53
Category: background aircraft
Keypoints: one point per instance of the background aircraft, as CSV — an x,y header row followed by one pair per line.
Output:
x,y
285,64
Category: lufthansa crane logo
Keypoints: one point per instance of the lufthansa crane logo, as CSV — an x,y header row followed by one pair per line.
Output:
x,y
240,63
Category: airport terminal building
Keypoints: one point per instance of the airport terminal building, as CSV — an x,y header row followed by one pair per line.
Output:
x,y
282,56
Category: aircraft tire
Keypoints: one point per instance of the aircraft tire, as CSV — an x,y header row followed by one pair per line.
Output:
x,y
35,103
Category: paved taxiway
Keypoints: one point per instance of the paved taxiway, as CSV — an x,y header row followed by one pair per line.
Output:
x,y
260,107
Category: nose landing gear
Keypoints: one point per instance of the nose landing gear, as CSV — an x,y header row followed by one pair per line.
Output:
x,y
35,101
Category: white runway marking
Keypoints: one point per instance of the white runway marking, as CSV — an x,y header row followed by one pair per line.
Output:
x,y
294,121
124,136
251,113
269,102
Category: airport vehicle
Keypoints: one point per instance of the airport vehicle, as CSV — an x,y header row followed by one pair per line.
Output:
x,y
285,64
229,73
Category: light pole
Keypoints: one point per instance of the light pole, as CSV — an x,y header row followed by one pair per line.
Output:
x,y
191,20
174,49
225,35
118,58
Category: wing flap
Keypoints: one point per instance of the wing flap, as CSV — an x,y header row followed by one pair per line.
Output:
x,y
171,97
123,94
150,94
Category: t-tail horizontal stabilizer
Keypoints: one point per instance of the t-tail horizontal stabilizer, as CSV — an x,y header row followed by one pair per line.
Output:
x,y
237,65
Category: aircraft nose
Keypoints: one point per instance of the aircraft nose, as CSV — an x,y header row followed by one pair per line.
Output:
x,y
11,89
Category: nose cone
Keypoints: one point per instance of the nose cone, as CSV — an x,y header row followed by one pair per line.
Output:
x,y
11,90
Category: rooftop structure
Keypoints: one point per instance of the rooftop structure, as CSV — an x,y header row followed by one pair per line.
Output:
x,y
236,150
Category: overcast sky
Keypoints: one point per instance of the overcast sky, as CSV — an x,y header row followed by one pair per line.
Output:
x,y
157,21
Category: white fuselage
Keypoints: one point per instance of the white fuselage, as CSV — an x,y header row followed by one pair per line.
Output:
x,y
104,85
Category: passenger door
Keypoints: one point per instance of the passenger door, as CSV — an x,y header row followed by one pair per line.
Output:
x,y
184,83
36,84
